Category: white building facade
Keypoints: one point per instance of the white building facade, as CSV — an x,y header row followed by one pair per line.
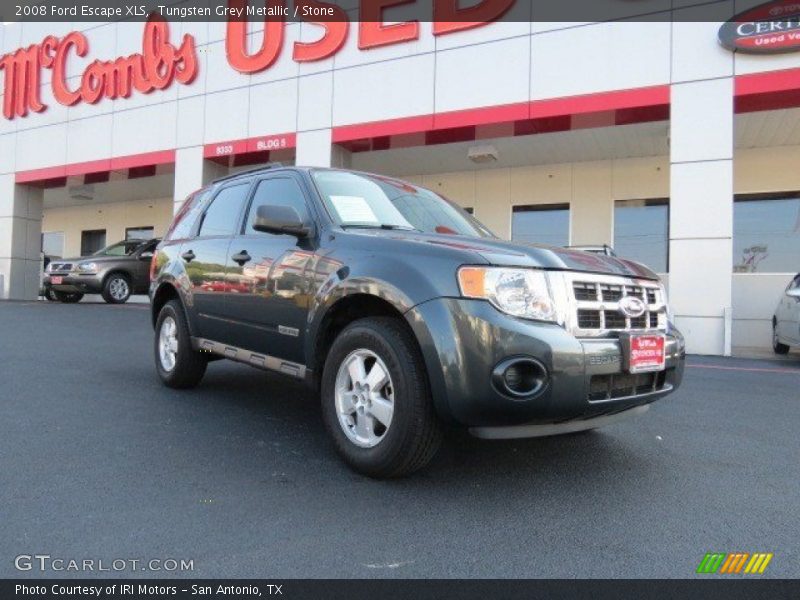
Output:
x,y
648,136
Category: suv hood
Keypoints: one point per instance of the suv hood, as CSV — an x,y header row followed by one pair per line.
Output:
x,y
518,254
96,259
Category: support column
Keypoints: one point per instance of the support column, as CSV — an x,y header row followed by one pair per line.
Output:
x,y
20,239
316,149
192,172
701,213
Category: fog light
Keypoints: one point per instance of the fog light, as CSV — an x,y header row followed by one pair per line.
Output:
x,y
520,377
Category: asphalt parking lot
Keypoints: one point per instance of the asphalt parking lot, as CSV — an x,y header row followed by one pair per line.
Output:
x,y
98,460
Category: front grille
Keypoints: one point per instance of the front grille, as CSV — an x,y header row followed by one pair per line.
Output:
x,y
622,385
596,304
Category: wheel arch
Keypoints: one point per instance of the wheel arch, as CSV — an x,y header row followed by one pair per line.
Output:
x,y
163,294
339,315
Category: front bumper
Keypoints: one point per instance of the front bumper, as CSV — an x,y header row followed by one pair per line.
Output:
x,y
75,282
462,341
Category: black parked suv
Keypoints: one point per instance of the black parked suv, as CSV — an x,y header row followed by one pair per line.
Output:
x,y
405,313
115,272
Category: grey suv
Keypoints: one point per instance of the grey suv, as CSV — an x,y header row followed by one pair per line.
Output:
x,y
116,272
405,313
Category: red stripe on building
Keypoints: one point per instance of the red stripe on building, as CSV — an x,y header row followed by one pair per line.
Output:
x,y
767,91
601,102
263,143
96,166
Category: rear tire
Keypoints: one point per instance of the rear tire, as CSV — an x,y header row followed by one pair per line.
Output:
x,y
116,289
776,345
178,364
68,297
354,385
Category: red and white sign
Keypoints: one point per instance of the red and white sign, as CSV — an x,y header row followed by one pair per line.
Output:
x,y
769,28
265,143
161,63
646,353
156,68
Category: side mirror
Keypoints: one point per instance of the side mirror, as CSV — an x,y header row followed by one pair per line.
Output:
x,y
148,256
280,219
794,292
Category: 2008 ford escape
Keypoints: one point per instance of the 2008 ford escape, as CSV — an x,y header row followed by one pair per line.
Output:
x,y
405,313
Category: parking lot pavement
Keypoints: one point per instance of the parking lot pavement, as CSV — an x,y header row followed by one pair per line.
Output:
x,y
99,461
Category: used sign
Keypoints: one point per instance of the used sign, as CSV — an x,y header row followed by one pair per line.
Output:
x,y
769,28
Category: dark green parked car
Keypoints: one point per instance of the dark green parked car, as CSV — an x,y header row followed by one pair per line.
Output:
x,y
404,312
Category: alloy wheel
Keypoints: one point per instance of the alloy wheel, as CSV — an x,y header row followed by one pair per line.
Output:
x,y
364,398
168,344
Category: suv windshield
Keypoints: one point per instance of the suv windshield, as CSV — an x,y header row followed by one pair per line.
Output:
x,y
125,248
360,200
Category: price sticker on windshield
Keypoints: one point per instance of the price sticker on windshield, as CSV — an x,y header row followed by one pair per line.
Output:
x,y
354,209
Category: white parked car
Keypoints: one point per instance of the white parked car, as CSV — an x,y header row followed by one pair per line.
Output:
x,y
786,322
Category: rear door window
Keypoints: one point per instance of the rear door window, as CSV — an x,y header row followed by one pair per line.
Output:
x,y
222,216
184,221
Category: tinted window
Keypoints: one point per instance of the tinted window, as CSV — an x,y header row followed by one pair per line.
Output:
x,y
121,248
187,216
541,224
222,216
92,241
766,233
281,191
641,232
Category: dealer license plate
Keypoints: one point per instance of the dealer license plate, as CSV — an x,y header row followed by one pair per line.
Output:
x,y
646,353
56,280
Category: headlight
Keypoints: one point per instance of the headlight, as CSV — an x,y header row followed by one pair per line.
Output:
x,y
518,292
87,267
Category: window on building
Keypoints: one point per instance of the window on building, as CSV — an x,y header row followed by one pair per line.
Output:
x,y
53,243
766,233
139,233
92,240
541,223
279,191
641,232
222,215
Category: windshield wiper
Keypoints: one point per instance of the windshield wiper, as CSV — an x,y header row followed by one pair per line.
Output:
x,y
387,226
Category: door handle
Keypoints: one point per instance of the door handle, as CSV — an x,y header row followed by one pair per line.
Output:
x,y
241,258
188,256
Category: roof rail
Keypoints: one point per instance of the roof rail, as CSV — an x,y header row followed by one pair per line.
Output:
x,y
272,165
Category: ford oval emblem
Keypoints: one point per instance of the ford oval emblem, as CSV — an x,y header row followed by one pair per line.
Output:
x,y
632,307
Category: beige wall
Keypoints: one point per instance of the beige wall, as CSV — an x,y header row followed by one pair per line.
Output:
x,y
590,189
113,217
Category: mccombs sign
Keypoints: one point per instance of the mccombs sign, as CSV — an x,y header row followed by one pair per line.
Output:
x,y
162,62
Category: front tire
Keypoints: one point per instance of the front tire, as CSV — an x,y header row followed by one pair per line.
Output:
x,y
776,345
178,364
50,294
116,289
68,297
376,403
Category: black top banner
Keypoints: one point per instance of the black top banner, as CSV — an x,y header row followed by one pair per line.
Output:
x,y
388,11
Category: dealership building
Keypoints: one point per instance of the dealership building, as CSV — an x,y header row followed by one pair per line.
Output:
x,y
651,137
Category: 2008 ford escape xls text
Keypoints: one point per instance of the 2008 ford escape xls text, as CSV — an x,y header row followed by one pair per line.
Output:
x,y
405,313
